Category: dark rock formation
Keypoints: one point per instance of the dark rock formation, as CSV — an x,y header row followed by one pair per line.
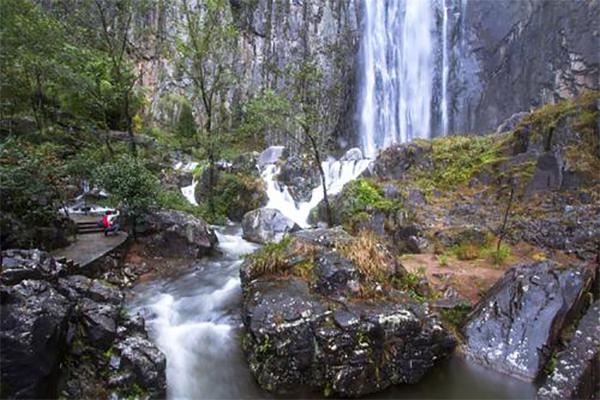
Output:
x,y
67,335
266,225
309,328
298,173
507,57
577,371
515,326
175,233
396,161
33,338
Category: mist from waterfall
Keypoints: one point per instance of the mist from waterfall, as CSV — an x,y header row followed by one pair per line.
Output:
x,y
397,72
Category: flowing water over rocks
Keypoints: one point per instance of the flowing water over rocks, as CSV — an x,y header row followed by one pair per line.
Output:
x,y
194,318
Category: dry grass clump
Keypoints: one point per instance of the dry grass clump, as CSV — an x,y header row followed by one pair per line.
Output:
x,y
370,256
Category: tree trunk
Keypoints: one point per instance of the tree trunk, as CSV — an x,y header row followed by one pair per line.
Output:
x,y
317,157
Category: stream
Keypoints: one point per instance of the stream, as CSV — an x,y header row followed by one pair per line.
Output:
x,y
194,318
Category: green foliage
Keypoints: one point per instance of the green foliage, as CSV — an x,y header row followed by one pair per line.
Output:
x,y
498,256
443,259
358,199
236,192
186,124
33,182
264,112
272,258
175,200
457,315
130,183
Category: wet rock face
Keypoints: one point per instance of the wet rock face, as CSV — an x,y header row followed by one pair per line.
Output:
x,y
314,331
175,233
271,155
514,327
396,161
33,339
576,374
266,225
67,335
299,174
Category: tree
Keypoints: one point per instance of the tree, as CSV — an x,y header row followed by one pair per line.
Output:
x,y
207,60
130,184
30,50
308,79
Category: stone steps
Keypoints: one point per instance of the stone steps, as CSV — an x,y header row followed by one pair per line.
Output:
x,y
88,227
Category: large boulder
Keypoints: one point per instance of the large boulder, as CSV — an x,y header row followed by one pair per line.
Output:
x,y
271,155
308,321
515,326
68,335
576,374
298,173
397,161
178,234
266,225
33,338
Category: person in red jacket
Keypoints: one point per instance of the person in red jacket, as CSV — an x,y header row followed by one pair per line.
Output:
x,y
109,223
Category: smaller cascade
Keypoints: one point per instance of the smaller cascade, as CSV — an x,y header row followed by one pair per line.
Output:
x,y
190,192
337,174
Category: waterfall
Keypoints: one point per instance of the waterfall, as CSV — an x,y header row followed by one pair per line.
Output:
x,y
337,174
445,68
397,71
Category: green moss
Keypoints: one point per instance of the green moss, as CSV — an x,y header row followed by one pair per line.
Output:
x,y
360,198
237,193
580,112
457,315
175,200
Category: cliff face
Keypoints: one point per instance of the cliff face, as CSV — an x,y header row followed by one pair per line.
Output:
x,y
504,57
514,55
277,36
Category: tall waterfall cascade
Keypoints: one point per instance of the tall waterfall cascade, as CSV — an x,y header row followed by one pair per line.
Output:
x,y
404,60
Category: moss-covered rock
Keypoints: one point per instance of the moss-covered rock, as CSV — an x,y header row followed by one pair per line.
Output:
x,y
233,194
336,313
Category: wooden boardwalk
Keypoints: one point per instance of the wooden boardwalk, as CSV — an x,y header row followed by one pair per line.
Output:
x,y
90,247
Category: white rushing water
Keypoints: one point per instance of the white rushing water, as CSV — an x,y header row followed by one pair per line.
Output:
x,y
194,319
337,174
189,192
396,83
445,68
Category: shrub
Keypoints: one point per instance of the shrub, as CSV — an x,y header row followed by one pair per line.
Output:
x,y
443,259
499,255
467,251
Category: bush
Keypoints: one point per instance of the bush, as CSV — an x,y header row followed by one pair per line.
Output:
x,y
499,255
467,251
130,183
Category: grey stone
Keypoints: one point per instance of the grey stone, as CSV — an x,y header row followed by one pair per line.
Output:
x,y
270,155
267,225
